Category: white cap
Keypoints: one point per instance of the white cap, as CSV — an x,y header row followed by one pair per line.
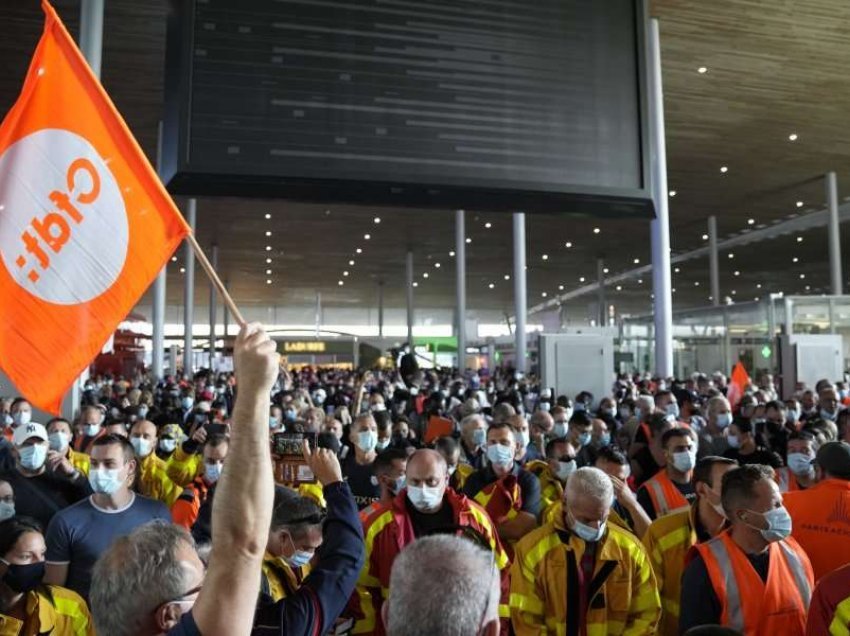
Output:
x,y
27,431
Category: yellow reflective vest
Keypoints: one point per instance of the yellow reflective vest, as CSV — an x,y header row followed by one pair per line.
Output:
x,y
51,611
155,483
280,580
622,595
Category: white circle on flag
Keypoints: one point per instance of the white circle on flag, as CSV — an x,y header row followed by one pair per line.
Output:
x,y
63,223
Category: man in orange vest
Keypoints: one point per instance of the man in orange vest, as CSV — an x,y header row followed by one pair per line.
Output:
x,y
754,577
671,488
821,514
509,493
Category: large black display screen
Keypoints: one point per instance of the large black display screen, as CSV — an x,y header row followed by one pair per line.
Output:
x,y
532,105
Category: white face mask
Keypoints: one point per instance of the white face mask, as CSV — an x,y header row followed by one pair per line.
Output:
x,y
142,446
22,418
33,457
367,441
425,498
59,441
565,469
167,445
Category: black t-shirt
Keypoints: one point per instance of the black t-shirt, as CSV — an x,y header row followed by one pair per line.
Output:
x,y
645,500
759,456
699,603
425,524
529,486
362,481
648,465
44,495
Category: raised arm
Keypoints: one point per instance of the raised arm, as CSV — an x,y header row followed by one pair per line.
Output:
x,y
242,506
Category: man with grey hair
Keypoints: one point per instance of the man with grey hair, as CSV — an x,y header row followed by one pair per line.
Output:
x,y
473,440
462,583
608,578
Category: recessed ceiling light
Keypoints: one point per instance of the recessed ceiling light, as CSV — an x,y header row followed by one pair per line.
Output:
x,y
792,137
802,275
268,281
705,237
702,70
452,254
182,270
734,292
636,261
345,273
799,239
340,283
724,169
488,225
507,276
377,220
795,260
415,284
268,232
367,236
605,270
672,193
676,271
437,265
640,281
544,294
268,261
731,255
560,288
581,279
491,285
268,248
351,263
424,274
672,290
696,283
173,259
596,230
751,221
468,240
808,287
619,288
268,272
545,257
799,204
758,286
568,244
268,216
737,273
359,251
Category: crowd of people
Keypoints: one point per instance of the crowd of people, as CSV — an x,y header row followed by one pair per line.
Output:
x,y
441,502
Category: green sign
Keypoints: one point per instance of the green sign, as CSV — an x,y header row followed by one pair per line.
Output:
x,y
437,344
765,351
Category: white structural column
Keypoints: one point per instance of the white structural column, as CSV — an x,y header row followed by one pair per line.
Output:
x,y
460,262
600,298
520,290
213,308
189,293
713,261
660,227
380,308
409,273
834,233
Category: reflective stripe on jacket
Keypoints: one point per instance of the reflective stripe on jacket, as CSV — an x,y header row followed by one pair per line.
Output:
x,y
502,499
155,483
622,597
62,613
185,510
279,579
750,605
551,489
664,495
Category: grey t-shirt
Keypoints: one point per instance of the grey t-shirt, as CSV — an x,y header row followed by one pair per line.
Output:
x,y
78,535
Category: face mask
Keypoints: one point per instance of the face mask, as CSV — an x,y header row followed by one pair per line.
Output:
x,y
398,484
367,441
143,412
800,464
212,472
381,444
792,416
734,441
584,439
638,413
7,510
609,411
604,440
105,481
142,446
290,415
91,430
684,461
23,578
425,498
8,420
500,455
673,410
586,533
187,403
723,420
524,438
273,422
479,437
545,406
168,445
565,469
58,441
378,407
828,415
299,558
625,413
22,418
559,431
778,524
33,457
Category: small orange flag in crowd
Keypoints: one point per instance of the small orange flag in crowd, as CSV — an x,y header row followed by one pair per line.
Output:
x,y
738,383
85,224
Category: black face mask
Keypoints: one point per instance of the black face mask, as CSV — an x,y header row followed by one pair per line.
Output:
x,y
24,578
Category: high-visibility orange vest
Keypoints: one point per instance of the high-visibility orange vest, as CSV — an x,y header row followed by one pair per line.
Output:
x,y
750,605
664,494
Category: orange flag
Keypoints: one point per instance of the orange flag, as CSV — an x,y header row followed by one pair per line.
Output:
x,y
738,383
85,223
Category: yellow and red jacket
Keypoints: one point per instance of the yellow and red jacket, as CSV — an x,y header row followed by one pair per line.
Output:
x,y
185,510
664,495
502,499
63,613
551,488
279,579
829,611
622,596
80,461
461,474
182,467
750,605
154,481
389,530
556,511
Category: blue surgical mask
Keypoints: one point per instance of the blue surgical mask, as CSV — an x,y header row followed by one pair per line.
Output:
x,y
559,431
800,464
142,446
724,420
673,410
734,441
58,441
382,444
7,510
778,524
500,455
398,484
22,418
91,430
274,422
367,441
105,481
143,412
212,472
479,437
299,558
168,445
565,469
684,461
425,498
33,457
524,439
588,533
290,415
828,415
584,439
187,403
792,416
604,440
610,411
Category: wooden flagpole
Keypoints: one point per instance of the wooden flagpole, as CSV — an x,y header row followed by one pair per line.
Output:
x,y
208,268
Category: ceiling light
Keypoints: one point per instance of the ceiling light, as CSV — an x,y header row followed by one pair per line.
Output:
x,y
696,283
544,294
636,261
268,272
596,230
731,255
672,291
758,286
359,251
268,281
507,276
802,275
705,237
568,244
351,263
182,270
792,137
268,216
672,193
799,204
640,281
340,283
581,279
619,288
737,273
415,284
491,285
545,257
751,221
268,233
799,239
605,270
173,259
734,292
367,236
268,248
452,254
377,220
437,265
424,274
488,225
676,271
702,70
268,261
795,260
724,169
560,288
468,240
345,273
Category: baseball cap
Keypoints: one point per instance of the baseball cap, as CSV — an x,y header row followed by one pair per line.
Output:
x,y
832,457
33,429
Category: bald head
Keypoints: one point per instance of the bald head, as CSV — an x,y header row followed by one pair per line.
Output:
x,y
426,462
